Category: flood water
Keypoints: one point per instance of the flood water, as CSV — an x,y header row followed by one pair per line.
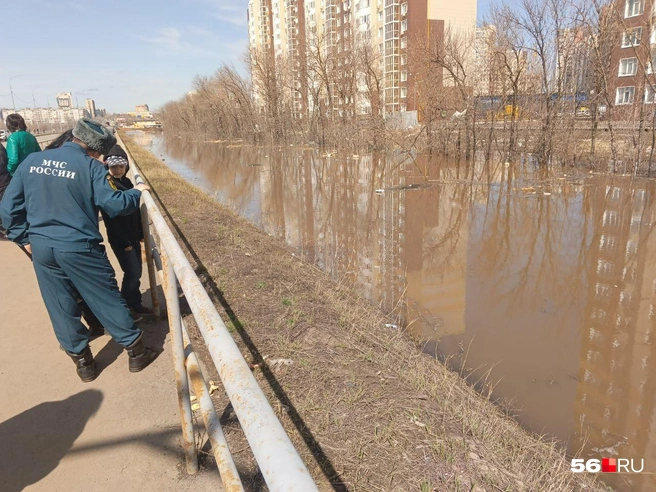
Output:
x,y
545,286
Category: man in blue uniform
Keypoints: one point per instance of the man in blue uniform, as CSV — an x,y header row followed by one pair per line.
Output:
x,y
51,209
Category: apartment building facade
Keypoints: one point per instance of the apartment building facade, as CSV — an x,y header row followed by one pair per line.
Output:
x,y
632,76
290,32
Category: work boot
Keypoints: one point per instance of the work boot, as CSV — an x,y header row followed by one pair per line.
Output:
x,y
139,355
141,309
86,366
136,317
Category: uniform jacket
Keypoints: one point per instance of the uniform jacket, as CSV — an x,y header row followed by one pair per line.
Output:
x,y
5,177
20,144
123,230
54,199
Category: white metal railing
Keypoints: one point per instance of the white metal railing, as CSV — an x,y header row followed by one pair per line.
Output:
x,y
281,466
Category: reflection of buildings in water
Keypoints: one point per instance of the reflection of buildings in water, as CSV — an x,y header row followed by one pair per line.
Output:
x,y
142,138
523,303
273,210
391,238
436,258
617,377
327,209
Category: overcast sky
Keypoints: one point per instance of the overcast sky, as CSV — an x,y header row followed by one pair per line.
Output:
x,y
120,52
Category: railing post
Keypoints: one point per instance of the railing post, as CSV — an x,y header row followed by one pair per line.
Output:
x,y
177,345
148,248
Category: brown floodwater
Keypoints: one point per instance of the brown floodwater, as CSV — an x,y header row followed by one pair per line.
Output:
x,y
540,289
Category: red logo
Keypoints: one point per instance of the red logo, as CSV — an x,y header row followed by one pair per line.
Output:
x,y
609,465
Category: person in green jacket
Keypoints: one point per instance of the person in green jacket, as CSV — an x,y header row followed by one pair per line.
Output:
x,y
20,143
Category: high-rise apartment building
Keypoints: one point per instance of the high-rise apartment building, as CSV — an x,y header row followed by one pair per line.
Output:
x,y
310,42
90,106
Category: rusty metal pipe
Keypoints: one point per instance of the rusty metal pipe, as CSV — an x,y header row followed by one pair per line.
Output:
x,y
280,464
148,248
224,462
182,383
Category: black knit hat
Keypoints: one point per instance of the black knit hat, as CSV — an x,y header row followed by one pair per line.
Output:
x,y
94,135
117,150
116,155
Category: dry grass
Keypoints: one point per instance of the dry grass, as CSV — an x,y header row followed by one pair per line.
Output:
x,y
364,407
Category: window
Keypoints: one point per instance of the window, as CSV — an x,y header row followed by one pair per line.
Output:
x,y
404,42
380,32
404,76
634,7
364,19
404,60
624,95
404,92
632,37
380,15
628,66
404,9
404,26
650,65
381,49
650,95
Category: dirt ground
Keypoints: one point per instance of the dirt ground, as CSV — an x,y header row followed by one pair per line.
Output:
x,y
365,408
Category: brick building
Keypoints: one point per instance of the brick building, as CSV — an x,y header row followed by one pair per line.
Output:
x,y
632,77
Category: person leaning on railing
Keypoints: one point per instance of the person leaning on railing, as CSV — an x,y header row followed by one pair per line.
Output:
x,y
96,329
50,208
124,234
20,143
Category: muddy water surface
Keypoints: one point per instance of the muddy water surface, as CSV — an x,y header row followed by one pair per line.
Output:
x,y
539,289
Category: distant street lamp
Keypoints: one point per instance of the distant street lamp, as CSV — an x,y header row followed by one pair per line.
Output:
x,y
13,103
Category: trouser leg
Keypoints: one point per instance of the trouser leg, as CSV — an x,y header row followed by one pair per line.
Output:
x,y
88,316
94,278
130,262
59,296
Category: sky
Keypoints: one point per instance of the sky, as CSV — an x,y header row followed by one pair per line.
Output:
x,y
120,53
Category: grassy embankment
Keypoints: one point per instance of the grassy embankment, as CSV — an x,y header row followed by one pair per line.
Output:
x,y
363,405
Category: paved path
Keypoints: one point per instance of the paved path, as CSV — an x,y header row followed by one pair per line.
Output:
x,y
118,433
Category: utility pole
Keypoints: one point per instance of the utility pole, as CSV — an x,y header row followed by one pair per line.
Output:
x,y
13,103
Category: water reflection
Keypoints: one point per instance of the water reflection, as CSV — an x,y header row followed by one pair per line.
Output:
x,y
546,286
